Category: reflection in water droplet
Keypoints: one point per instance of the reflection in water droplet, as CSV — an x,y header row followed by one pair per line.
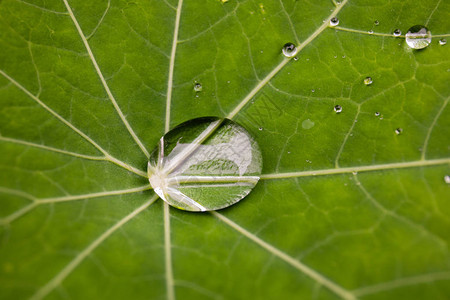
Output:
x,y
307,124
442,42
205,164
397,32
368,80
338,109
418,37
447,179
289,50
198,87
334,21
398,131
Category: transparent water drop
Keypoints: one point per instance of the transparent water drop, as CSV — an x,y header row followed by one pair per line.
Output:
x,y
289,50
355,173
418,37
296,58
334,21
338,109
198,87
398,131
397,32
260,128
368,81
205,164
442,42
307,124
370,31
447,179
376,22
377,114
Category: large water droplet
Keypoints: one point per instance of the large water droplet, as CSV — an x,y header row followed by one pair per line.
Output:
x,y
338,109
418,37
368,80
205,164
289,50
334,21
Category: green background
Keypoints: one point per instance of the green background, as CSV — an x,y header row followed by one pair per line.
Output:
x,y
76,225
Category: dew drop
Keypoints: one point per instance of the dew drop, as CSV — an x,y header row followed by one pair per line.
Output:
x,y
368,80
377,114
370,31
398,131
338,109
296,58
442,42
260,128
447,179
376,22
418,37
307,124
198,87
205,164
397,32
334,21
355,173
289,50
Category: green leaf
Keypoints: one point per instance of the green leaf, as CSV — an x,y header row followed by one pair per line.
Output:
x,y
346,208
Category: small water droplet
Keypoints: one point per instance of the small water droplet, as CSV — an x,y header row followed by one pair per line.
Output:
x,y
376,22
355,173
307,124
313,90
334,21
198,87
335,56
370,31
338,109
442,42
398,131
418,37
260,128
338,2
447,179
289,50
228,81
343,56
368,81
381,118
377,114
205,164
296,58
397,32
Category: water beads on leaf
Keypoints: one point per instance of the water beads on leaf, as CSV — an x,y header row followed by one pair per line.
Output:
x,y
418,37
289,50
205,164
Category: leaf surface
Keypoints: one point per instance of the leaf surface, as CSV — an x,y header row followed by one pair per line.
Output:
x,y
346,208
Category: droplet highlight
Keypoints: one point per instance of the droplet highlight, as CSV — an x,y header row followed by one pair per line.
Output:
x,y
205,164
447,179
418,37
442,42
334,21
368,81
289,50
338,109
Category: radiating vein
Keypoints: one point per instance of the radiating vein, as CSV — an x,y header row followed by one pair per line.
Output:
x,y
172,64
74,263
108,156
316,276
401,282
167,241
36,201
369,168
102,79
427,138
284,62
